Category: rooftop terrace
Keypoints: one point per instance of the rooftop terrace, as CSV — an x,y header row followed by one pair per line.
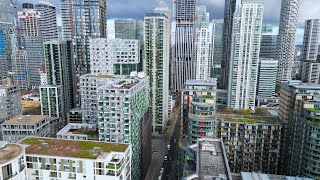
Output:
x,y
8,152
249,119
70,148
25,120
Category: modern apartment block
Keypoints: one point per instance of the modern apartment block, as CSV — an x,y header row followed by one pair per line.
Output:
x,y
310,71
114,57
267,77
10,105
203,61
20,127
79,132
212,162
122,104
19,60
156,65
6,44
311,39
12,161
184,49
299,118
252,142
244,67
285,53
59,69
75,116
268,45
47,21
198,92
47,158
52,103
217,39
78,19
28,20
34,47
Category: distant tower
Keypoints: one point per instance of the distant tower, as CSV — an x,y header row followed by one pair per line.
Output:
x,y
184,50
287,38
311,39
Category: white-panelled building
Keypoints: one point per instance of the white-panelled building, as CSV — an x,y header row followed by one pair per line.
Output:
x,y
311,39
267,77
246,37
10,101
157,57
285,53
203,63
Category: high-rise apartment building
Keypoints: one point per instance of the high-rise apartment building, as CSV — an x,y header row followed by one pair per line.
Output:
x,y
203,61
6,37
184,50
291,111
311,40
229,10
29,21
10,101
198,93
33,45
156,65
83,20
59,69
19,62
267,28
252,142
310,71
123,103
245,55
217,39
285,53
47,21
267,77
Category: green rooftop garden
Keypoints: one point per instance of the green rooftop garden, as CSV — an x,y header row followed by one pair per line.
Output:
x,y
90,133
69,148
313,109
207,96
314,123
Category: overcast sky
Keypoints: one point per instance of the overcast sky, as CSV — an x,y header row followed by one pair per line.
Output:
x,y
136,9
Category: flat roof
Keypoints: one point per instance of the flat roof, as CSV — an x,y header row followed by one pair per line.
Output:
x,y
8,152
249,119
97,76
260,176
25,120
70,148
210,81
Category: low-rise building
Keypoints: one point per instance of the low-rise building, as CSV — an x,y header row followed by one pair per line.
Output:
x,y
79,132
48,158
75,116
23,126
12,162
10,104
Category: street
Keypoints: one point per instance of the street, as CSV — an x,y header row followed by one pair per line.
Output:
x,y
159,149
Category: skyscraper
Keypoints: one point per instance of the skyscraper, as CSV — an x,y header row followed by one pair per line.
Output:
x,y
267,76
286,38
157,54
184,49
82,20
311,39
19,61
245,54
217,58
268,45
126,29
48,21
229,10
203,61
29,21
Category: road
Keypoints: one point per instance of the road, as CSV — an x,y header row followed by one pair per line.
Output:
x,y
159,149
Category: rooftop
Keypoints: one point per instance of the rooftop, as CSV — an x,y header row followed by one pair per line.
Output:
x,y
25,120
210,81
300,85
90,132
8,152
259,176
249,119
70,148
31,107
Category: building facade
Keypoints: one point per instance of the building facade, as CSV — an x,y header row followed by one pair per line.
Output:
x,y
83,20
184,49
47,21
51,98
19,60
285,53
10,105
310,71
217,39
311,39
126,29
245,55
268,45
29,21
267,77
157,59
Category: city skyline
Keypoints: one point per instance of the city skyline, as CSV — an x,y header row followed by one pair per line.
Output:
x,y
214,7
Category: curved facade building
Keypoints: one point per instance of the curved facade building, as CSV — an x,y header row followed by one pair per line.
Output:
x,y
202,122
12,162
